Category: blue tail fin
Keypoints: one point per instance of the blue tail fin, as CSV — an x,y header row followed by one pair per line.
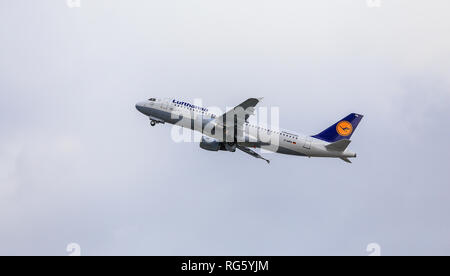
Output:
x,y
340,130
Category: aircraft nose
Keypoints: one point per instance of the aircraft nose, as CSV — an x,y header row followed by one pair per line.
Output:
x,y
140,107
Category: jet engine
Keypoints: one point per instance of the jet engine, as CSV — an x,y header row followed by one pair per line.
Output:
x,y
210,144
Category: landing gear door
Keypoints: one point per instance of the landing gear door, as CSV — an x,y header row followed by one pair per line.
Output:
x,y
307,144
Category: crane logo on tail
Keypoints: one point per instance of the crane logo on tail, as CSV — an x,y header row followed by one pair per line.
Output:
x,y
344,128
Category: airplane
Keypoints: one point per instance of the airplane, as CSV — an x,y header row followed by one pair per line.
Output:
x,y
232,130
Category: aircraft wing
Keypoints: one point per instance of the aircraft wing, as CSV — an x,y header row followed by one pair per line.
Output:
x,y
252,153
238,116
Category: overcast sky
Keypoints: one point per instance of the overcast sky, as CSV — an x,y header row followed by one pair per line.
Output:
x,y
79,164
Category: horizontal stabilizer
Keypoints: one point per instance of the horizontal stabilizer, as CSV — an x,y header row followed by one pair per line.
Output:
x,y
346,159
340,145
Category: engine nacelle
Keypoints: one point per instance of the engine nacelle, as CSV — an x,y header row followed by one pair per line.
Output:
x,y
210,144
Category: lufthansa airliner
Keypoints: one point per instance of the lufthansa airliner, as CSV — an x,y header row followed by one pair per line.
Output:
x,y
232,130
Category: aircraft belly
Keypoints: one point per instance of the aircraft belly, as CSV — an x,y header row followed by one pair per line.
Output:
x,y
289,148
289,151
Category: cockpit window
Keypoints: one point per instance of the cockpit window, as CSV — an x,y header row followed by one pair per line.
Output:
x,y
152,99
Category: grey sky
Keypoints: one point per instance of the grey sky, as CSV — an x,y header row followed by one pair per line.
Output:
x,y
79,164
